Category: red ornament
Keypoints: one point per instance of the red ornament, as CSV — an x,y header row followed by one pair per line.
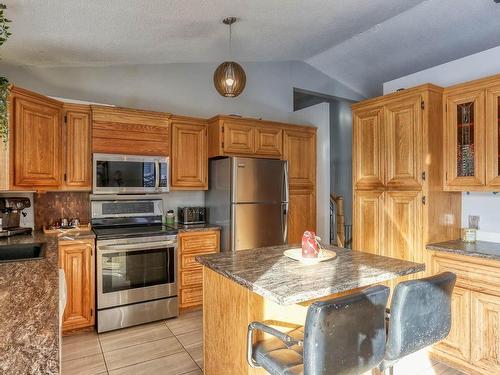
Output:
x,y
309,245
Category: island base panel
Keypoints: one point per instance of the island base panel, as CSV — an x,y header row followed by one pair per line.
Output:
x,y
228,308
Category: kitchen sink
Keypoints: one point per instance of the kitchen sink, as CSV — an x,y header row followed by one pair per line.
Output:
x,y
29,251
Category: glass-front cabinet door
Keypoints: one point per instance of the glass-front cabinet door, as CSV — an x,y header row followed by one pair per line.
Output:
x,y
493,136
465,132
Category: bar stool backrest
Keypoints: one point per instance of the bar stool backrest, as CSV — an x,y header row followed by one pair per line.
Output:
x,y
346,335
420,314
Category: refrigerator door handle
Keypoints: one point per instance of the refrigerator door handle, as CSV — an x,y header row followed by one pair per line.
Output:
x,y
285,182
284,222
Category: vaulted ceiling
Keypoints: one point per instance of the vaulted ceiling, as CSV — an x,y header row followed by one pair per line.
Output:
x,y
362,43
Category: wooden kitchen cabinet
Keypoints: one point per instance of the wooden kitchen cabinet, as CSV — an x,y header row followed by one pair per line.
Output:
x,y
77,147
369,218
299,148
486,332
238,138
76,258
268,141
36,141
301,214
403,224
190,245
472,120
403,139
130,131
492,136
473,343
399,203
464,142
368,150
189,158
458,341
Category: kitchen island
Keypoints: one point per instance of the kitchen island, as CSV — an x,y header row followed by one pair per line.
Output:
x,y
264,285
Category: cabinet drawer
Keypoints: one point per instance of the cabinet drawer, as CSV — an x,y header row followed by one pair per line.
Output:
x,y
191,278
200,242
474,274
191,296
189,261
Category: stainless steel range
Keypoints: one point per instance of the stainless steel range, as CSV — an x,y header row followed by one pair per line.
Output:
x,y
136,263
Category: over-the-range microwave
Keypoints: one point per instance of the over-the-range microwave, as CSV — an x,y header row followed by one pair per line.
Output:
x,y
129,174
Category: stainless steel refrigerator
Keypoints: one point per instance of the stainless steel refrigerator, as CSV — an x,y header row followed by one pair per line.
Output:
x,y
248,198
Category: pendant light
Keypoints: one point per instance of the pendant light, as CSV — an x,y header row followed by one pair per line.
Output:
x,y
229,77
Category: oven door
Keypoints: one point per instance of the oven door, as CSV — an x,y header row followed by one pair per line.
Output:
x,y
135,272
123,174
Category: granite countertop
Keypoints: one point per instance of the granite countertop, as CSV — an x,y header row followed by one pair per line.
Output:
x,y
29,310
479,249
193,227
267,272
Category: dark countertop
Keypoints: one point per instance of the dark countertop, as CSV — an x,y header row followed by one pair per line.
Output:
x,y
480,249
29,310
270,274
29,307
193,227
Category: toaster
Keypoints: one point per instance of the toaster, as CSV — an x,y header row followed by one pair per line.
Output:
x,y
192,215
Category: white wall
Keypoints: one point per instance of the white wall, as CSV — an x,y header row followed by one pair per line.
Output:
x,y
482,64
319,116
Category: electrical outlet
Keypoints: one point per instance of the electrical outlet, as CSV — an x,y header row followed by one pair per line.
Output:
x,y
474,221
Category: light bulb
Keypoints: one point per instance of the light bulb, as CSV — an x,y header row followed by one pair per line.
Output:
x,y
229,81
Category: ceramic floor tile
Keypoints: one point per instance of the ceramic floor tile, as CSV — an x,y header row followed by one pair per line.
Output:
x,y
89,365
175,364
191,339
197,355
143,352
133,336
80,345
186,323
195,372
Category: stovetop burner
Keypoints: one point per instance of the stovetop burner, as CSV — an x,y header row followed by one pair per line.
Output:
x,y
137,231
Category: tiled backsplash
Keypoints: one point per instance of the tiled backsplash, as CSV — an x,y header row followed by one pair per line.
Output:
x,y
52,206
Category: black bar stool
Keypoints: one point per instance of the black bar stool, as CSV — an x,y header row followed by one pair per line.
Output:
x,y
344,335
420,316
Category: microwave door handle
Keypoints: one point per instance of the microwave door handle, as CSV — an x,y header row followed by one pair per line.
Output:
x,y
157,175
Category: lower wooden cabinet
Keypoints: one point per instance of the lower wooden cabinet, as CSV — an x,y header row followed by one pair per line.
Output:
x,y
76,258
473,344
192,244
485,316
301,214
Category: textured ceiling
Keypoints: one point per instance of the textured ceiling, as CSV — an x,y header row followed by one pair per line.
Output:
x,y
359,42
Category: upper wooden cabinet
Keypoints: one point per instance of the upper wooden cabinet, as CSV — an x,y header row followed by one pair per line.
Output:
x,y
234,136
464,137
36,141
387,138
299,148
472,120
492,136
189,159
77,147
368,150
403,138
268,141
129,131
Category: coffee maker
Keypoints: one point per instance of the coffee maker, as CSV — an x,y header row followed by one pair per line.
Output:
x,y
11,210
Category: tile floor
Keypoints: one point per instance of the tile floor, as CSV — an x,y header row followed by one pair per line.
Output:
x,y
172,347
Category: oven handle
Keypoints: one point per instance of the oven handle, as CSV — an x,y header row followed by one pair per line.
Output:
x,y
122,248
